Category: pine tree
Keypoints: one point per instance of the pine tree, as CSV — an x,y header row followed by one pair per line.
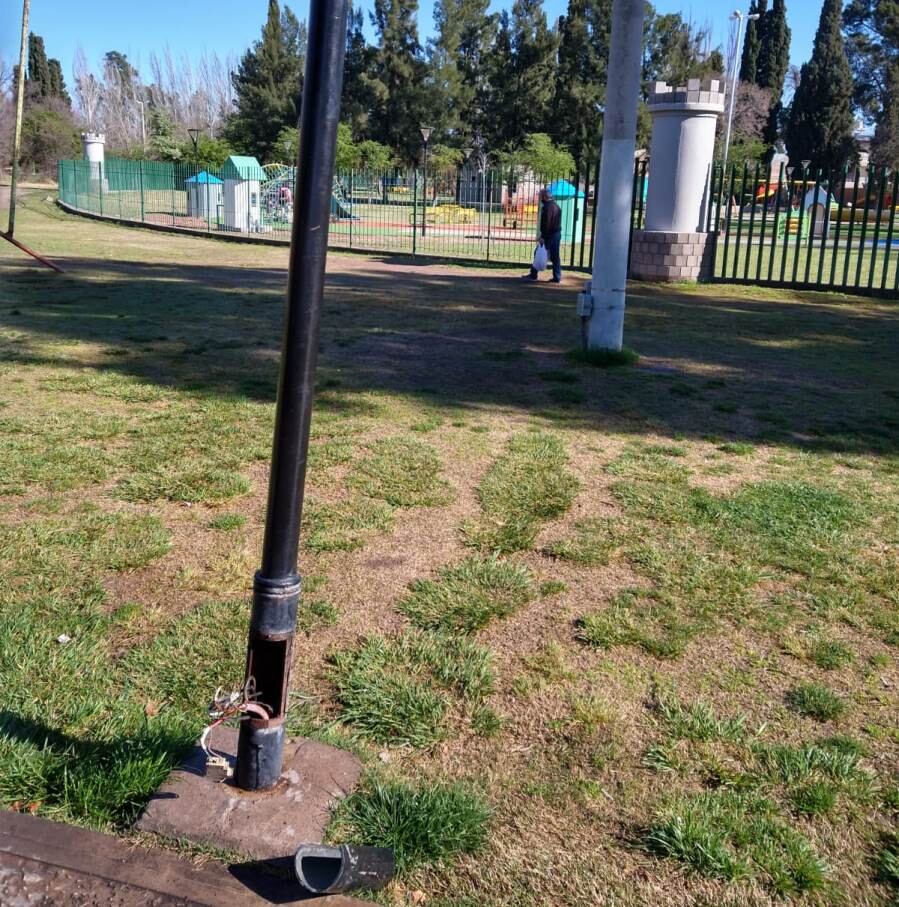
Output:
x,y
752,42
398,78
773,61
820,123
358,96
477,33
499,95
885,145
533,74
583,61
457,55
674,50
268,84
871,28
38,73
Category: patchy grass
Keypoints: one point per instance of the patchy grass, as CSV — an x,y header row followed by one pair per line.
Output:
x,y
732,835
830,654
524,488
723,522
697,721
345,526
403,472
228,522
468,596
592,543
424,823
400,690
815,701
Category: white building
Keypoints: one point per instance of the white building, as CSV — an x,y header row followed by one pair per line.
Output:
x,y
243,178
205,195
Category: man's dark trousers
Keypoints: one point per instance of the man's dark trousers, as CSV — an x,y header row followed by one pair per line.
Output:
x,y
553,243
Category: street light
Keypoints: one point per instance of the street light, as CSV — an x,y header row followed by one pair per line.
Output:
x,y
739,16
194,133
276,586
425,136
143,125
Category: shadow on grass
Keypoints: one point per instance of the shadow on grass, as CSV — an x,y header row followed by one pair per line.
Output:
x,y
817,374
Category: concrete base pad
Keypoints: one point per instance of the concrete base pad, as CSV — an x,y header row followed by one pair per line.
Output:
x,y
263,825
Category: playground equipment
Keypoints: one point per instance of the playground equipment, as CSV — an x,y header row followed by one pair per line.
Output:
x,y
277,193
277,196
445,214
341,206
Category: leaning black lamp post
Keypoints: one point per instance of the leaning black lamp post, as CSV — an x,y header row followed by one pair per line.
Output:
x,y
276,586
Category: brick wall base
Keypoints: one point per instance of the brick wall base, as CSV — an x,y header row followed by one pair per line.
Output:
x,y
662,256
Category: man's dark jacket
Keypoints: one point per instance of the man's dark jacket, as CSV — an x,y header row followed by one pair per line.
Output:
x,y
550,219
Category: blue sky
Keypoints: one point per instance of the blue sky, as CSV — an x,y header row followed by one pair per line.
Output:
x,y
141,26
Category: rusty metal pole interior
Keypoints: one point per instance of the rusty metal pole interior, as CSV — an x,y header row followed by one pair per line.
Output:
x,y
276,586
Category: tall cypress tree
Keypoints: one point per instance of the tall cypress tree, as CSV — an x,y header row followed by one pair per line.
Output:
x,y
57,82
773,62
580,90
397,78
820,123
267,85
752,42
38,73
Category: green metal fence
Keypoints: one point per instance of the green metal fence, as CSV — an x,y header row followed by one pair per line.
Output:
x,y
487,216
806,228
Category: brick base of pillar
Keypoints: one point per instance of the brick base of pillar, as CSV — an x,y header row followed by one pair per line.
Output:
x,y
658,256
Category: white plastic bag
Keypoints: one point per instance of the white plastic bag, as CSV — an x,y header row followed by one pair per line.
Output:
x,y
541,257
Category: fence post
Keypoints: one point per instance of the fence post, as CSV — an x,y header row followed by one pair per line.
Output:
x,y
350,200
75,181
886,253
864,235
487,184
208,227
813,219
754,199
879,215
574,224
140,183
100,184
852,210
414,209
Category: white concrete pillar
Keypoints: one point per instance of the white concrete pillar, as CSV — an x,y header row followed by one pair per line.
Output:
x,y
681,154
93,145
674,244
605,328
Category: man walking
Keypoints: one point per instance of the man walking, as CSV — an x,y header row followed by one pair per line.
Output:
x,y
550,234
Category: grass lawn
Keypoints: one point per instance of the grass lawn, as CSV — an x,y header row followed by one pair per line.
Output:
x,y
620,635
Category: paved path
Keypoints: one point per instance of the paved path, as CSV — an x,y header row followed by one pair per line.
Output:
x,y
44,864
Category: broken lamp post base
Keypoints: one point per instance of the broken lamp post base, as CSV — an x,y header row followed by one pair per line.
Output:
x,y
194,806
